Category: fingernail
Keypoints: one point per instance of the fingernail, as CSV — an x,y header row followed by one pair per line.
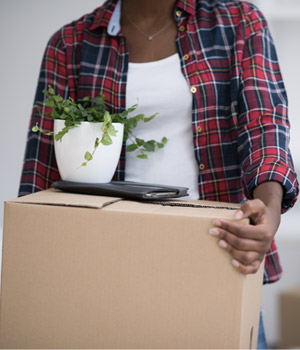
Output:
x,y
214,231
222,244
235,263
238,215
217,222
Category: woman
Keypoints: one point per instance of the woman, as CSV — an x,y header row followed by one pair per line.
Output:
x,y
210,69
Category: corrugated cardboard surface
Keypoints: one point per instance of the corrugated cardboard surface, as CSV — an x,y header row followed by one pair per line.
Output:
x,y
290,319
125,275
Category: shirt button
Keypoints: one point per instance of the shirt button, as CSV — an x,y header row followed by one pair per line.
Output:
x,y
193,89
201,166
178,13
199,129
186,57
182,28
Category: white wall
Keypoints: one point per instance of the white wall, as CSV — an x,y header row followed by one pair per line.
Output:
x,y
284,22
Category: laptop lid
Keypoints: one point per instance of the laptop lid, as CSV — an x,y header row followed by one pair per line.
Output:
x,y
124,189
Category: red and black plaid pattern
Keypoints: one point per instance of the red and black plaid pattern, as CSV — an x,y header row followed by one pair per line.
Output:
x,y
239,115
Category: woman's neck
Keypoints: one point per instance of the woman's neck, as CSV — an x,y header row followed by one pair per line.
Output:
x,y
150,29
149,9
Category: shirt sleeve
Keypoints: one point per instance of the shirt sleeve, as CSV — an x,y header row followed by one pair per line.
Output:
x,y
39,168
263,131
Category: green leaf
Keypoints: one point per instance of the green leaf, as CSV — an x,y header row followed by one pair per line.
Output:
x,y
37,128
112,131
132,109
88,156
50,104
57,99
132,123
69,123
51,90
106,139
61,133
63,116
106,117
140,142
124,114
142,156
149,146
90,117
139,117
83,112
55,114
97,142
131,148
148,119
58,137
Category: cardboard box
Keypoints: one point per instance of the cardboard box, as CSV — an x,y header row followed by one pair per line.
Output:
x,y
89,272
290,318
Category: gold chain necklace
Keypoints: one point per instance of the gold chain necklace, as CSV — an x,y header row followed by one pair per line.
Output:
x,y
149,37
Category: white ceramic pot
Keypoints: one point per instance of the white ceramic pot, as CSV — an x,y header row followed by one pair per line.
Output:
x,y
70,151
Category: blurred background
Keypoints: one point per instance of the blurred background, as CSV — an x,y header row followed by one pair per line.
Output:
x,y
281,300
26,26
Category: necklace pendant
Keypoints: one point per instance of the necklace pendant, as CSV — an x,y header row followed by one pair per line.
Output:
x,y
150,37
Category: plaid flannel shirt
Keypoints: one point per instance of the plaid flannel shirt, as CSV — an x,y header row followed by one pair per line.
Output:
x,y
239,114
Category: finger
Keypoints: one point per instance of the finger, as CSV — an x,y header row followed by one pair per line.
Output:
x,y
253,209
246,270
243,244
244,257
254,232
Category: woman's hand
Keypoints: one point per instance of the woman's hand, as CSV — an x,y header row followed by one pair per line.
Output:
x,y
248,244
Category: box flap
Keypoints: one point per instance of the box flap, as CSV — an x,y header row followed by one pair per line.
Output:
x,y
55,197
50,197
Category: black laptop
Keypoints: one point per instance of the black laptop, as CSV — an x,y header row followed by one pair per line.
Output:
x,y
124,189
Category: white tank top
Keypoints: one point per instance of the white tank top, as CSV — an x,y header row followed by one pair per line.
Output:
x,y
159,87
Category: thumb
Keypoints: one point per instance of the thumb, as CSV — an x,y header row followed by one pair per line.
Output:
x,y
250,208
238,214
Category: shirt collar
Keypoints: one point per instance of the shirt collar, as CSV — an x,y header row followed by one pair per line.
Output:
x,y
109,14
105,14
188,6
114,25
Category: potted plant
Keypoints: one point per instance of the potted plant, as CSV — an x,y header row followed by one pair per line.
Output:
x,y
87,131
